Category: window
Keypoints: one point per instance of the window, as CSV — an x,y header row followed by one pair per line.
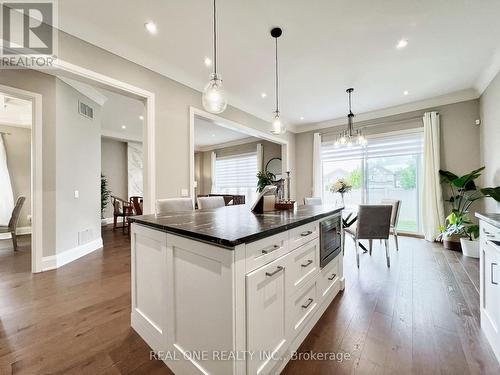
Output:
x,y
237,174
389,167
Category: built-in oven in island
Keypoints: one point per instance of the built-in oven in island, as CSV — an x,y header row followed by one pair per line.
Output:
x,y
330,238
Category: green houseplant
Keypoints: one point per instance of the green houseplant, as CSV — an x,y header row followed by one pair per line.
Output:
x,y
264,178
463,192
105,194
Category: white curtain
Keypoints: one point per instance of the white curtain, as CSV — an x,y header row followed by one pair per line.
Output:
x,y
316,188
432,197
260,157
214,182
6,194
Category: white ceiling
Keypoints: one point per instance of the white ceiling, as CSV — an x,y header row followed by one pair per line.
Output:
x,y
327,46
15,112
207,133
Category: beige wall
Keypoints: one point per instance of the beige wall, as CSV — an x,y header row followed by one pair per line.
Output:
x,y
78,167
114,168
490,136
459,140
203,160
18,148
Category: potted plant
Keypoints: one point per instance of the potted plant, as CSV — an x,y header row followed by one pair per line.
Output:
x,y
341,186
463,193
264,178
105,194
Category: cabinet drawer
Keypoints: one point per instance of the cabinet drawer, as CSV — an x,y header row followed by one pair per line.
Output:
x,y
261,252
328,277
304,264
489,232
305,233
304,303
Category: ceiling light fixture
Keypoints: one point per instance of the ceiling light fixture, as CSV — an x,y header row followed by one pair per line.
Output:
x,y
350,136
151,27
263,95
141,118
402,43
277,126
214,97
208,61
124,127
405,92
302,117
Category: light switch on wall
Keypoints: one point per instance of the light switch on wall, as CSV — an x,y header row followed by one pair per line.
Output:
x,y
77,194
184,192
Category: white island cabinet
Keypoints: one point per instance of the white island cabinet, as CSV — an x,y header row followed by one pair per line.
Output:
x,y
490,278
204,308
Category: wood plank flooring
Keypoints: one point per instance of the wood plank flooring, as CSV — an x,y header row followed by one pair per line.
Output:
x,y
421,316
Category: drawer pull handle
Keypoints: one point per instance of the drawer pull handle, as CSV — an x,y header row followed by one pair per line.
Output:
x,y
278,269
308,303
306,264
493,281
306,233
485,231
270,249
332,277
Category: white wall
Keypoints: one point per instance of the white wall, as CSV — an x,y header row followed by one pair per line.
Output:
x,y
490,136
78,167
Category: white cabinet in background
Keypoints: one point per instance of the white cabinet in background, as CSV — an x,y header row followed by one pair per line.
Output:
x,y
490,285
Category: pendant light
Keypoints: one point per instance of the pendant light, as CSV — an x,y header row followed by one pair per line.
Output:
x,y
350,136
277,126
214,97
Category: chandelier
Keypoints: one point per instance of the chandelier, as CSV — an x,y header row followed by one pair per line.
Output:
x,y
350,136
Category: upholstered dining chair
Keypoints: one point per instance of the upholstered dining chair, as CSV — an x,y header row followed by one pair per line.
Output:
x,y
168,205
311,201
373,223
210,202
396,207
11,227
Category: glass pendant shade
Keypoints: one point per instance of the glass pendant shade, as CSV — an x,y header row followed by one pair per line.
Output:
x,y
277,126
214,96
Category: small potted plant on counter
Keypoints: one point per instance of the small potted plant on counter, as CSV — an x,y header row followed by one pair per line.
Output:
x,y
463,193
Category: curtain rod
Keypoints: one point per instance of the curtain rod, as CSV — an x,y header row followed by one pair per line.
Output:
x,y
369,124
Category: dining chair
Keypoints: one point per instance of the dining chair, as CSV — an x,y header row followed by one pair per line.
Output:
x,y
373,223
123,209
396,207
311,201
169,205
136,203
14,219
210,202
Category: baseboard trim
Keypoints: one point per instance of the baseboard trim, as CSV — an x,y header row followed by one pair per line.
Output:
x,y
59,260
20,231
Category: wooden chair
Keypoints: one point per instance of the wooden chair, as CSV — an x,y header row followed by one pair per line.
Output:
x,y
14,219
136,203
373,223
396,207
123,209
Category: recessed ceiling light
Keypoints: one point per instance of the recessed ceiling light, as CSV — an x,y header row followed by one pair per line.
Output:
x,y
402,43
263,95
151,27
405,92
302,117
141,118
124,127
208,61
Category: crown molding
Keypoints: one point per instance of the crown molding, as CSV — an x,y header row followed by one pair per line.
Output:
x,y
454,97
218,146
489,73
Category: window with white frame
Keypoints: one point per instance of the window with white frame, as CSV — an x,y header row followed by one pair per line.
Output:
x,y
237,174
390,166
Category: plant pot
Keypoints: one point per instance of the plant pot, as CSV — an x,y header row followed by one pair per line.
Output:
x,y
470,248
452,242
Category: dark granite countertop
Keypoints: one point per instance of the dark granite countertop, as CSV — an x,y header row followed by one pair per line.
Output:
x,y
493,219
233,225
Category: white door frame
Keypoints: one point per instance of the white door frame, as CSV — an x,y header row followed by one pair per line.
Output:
x,y
233,125
36,172
67,69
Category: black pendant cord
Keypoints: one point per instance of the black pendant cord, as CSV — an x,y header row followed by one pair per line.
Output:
x,y
277,77
215,40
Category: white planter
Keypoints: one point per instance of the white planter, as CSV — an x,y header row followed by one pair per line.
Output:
x,y
470,248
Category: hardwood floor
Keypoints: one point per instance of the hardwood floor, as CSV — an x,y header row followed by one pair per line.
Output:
x,y
421,316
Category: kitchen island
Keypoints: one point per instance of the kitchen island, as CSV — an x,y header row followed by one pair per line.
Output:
x,y
227,291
